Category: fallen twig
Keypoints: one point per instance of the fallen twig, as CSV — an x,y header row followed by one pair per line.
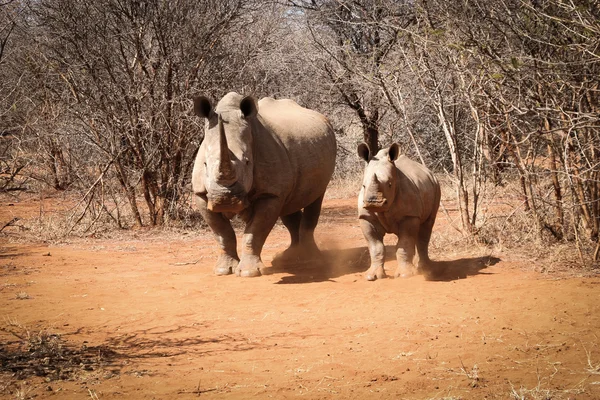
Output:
x,y
9,223
186,263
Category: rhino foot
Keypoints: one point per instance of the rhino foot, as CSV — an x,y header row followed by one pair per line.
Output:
x,y
377,273
292,253
406,271
225,265
249,267
248,273
309,248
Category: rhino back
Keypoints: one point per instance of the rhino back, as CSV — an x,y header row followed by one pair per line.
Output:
x,y
418,190
308,143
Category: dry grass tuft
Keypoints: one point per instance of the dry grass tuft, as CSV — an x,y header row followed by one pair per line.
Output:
x,y
344,187
44,353
541,393
472,375
592,367
22,296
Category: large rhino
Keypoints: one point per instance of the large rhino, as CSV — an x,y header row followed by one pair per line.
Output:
x,y
261,161
398,196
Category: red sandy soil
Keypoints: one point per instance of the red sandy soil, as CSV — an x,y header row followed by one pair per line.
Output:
x,y
164,327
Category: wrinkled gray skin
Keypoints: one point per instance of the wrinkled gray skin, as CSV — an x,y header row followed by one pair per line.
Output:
x,y
261,161
398,196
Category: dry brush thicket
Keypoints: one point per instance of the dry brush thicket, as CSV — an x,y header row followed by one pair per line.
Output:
x,y
499,96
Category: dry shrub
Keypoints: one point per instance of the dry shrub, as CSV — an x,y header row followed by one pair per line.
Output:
x,y
505,225
46,228
344,187
57,216
46,354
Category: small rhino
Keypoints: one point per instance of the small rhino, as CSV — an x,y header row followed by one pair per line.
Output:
x,y
398,196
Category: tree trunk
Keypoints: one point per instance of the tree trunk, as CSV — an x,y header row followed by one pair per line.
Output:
x,y
371,137
463,194
560,216
130,192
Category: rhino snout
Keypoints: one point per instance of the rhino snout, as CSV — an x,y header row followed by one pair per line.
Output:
x,y
375,204
231,204
375,201
231,199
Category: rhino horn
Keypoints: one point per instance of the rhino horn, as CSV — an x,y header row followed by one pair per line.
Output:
x,y
226,174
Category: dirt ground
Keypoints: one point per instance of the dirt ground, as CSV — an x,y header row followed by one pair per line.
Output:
x,y
142,316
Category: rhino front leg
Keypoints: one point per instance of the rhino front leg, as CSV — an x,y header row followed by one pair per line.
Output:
x,y
225,235
405,249
374,233
264,216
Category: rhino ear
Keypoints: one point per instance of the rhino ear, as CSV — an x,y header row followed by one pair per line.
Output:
x,y
202,106
394,152
363,152
248,107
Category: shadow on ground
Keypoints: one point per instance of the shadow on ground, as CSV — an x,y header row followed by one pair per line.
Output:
x,y
46,354
7,252
324,266
28,353
458,269
331,264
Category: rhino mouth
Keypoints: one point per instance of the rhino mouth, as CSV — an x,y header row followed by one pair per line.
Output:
x,y
231,199
376,203
233,205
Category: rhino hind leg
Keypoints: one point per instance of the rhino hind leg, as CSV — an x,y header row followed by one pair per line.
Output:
x,y
310,219
423,249
423,243
292,223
